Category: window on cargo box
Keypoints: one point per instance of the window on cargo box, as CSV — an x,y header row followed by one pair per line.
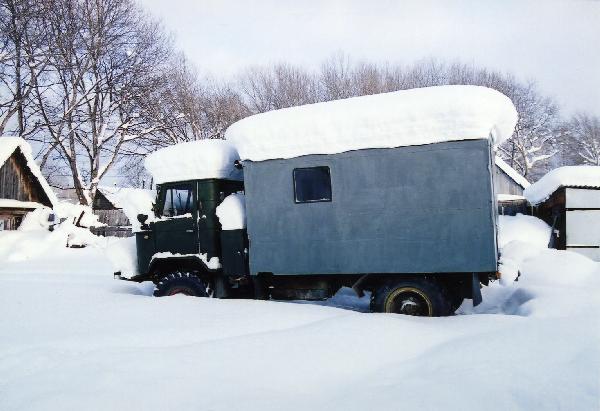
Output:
x,y
312,184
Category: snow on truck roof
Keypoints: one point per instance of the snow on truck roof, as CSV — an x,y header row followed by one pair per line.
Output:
x,y
402,118
193,160
569,176
8,145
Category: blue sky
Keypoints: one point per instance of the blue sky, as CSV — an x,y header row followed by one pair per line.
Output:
x,y
554,42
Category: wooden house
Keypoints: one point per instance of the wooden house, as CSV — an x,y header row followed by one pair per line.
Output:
x,y
568,199
22,186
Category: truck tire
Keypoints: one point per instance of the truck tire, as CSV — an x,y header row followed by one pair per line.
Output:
x,y
181,283
417,297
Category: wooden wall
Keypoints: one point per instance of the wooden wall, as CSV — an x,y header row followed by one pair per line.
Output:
x,y
18,183
503,184
113,218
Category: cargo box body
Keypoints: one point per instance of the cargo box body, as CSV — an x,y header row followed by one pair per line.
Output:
x,y
405,210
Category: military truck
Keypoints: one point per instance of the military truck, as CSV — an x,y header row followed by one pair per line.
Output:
x,y
389,194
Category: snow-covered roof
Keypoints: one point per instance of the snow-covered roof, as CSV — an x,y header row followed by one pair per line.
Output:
x,y
402,118
512,173
569,176
132,201
8,145
194,160
10,203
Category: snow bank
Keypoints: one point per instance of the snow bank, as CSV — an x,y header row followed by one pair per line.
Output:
x,y
232,212
73,213
524,228
194,160
512,173
8,145
402,118
67,337
132,201
569,176
35,243
519,237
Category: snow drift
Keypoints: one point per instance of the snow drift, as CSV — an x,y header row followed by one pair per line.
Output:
x,y
194,160
75,338
402,118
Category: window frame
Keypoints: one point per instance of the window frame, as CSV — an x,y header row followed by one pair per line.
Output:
x,y
164,189
328,200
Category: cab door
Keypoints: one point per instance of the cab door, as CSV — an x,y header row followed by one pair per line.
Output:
x,y
177,229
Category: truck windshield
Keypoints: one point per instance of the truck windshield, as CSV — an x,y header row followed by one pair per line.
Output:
x,y
178,201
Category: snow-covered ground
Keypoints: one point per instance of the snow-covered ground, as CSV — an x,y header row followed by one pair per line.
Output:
x,y
72,337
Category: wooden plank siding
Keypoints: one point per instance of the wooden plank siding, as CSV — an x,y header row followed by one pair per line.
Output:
x,y
18,183
504,184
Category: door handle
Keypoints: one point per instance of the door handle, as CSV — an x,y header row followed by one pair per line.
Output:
x,y
189,231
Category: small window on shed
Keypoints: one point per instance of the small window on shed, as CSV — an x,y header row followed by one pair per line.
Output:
x,y
312,184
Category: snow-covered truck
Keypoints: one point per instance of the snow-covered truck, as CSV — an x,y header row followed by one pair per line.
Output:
x,y
391,194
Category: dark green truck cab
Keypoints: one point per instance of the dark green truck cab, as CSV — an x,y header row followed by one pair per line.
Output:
x,y
185,234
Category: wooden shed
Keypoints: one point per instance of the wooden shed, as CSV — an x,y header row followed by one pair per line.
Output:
x,y
509,185
22,186
118,206
568,199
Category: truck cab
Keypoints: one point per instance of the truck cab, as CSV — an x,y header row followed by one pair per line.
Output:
x,y
182,247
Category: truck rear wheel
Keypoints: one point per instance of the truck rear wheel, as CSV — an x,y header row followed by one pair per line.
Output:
x,y
181,283
411,297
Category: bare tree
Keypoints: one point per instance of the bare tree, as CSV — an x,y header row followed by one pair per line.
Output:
x,y
533,142
24,53
107,55
582,139
279,86
336,78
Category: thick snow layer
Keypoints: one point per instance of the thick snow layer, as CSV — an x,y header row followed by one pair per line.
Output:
x,y
10,203
569,176
509,197
133,201
8,145
232,212
72,337
512,173
402,118
524,228
194,160
519,237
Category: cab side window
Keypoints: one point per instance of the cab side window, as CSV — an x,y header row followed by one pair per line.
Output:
x,y
312,184
178,201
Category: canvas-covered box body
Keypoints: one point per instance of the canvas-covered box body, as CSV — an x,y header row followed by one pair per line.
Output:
x,y
415,209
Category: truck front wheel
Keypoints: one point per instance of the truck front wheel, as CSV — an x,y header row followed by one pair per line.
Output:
x,y
411,297
181,283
